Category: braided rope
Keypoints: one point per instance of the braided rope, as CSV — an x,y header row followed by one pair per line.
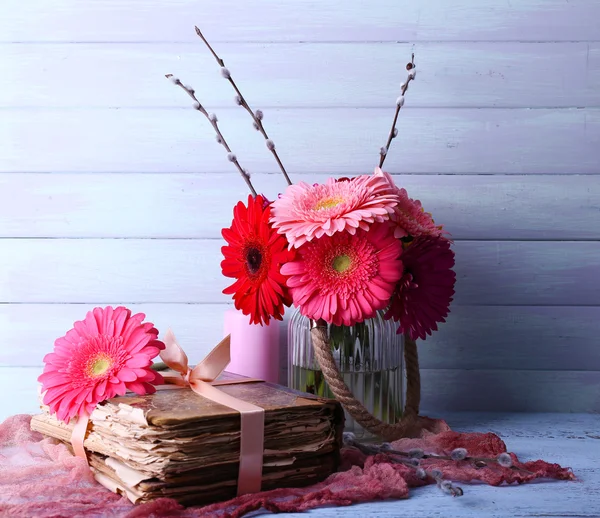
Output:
x,y
409,424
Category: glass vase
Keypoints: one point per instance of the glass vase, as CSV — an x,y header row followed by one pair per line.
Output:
x,y
369,356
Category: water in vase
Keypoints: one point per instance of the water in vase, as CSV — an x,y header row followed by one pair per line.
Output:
x,y
370,358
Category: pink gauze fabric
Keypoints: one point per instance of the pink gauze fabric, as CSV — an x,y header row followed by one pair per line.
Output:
x,y
40,477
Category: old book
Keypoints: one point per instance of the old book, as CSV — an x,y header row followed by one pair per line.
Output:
x,y
178,444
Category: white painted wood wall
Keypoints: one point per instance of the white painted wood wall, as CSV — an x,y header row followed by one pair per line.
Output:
x,y
113,191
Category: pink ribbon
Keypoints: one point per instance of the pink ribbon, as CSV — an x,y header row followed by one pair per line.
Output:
x,y
202,380
78,436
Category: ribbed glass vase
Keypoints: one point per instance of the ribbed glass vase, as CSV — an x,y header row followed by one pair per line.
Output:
x,y
370,357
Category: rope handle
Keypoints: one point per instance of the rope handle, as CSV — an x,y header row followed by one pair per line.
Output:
x,y
409,425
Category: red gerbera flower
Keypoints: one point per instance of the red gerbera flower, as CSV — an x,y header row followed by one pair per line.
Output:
x,y
423,294
254,256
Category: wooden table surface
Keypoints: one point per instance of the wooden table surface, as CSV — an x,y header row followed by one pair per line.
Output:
x,y
568,439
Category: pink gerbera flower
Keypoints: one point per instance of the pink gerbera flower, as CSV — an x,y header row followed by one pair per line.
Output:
x,y
409,216
304,212
345,278
103,356
423,295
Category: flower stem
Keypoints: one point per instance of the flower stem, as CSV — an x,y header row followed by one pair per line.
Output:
x,y
242,102
399,103
213,121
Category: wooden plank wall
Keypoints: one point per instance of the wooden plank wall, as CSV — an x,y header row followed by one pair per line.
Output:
x,y
113,191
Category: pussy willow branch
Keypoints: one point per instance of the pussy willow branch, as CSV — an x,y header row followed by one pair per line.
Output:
x,y
445,485
475,460
408,459
399,103
241,100
213,121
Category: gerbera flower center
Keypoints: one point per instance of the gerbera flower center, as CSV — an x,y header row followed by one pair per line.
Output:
x,y
328,203
99,365
254,259
341,263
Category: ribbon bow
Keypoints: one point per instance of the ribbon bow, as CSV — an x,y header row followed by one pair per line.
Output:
x,y
202,380
208,370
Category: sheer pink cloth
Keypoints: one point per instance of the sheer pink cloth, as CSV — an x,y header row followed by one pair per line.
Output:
x,y
39,477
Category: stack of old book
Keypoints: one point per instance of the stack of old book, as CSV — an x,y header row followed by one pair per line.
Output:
x,y
183,446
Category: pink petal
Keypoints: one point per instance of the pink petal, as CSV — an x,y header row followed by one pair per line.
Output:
x,y
139,361
140,388
126,375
